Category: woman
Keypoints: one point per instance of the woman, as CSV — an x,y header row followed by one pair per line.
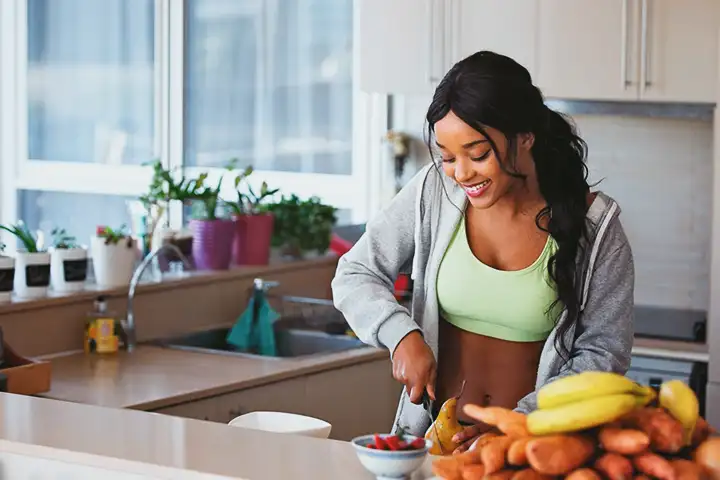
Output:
x,y
521,274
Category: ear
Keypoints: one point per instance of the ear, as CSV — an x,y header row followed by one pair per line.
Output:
x,y
526,140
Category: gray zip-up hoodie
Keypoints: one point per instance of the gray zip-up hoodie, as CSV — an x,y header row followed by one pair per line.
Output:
x,y
412,234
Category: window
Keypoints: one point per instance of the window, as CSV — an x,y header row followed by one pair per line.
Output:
x,y
93,89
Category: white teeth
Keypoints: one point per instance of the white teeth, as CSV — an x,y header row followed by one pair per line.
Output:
x,y
477,187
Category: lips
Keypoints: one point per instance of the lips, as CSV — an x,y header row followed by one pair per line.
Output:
x,y
477,189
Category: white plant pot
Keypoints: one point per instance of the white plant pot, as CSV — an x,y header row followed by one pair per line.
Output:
x,y
7,274
113,263
32,274
68,269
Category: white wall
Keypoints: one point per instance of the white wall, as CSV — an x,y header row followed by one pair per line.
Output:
x,y
660,172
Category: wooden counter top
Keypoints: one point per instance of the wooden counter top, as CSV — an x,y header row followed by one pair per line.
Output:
x,y
153,377
97,442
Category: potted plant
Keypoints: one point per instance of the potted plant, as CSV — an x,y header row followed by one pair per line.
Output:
x,y
301,226
32,263
114,253
68,262
253,227
163,189
212,235
7,275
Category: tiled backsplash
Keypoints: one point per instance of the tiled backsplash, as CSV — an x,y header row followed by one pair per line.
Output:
x,y
660,171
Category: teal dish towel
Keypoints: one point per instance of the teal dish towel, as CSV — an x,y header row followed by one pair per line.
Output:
x,y
255,336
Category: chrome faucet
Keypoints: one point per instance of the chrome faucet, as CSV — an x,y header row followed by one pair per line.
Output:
x,y
129,323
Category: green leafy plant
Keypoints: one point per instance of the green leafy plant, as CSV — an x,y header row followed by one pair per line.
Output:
x,y
115,236
248,202
301,225
61,239
206,198
22,233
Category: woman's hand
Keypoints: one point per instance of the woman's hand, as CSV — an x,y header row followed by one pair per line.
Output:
x,y
468,437
414,366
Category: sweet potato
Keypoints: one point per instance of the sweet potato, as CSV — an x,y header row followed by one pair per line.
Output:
x,y
501,475
686,470
494,415
473,472
529,474
448,468
583,474
514,429
614,467
654,465
516,455
642,477
702,431
665,433
482,440
493,454
707,455
559,454
623,441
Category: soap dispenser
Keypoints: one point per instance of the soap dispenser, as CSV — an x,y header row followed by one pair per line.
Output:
x,y
102,329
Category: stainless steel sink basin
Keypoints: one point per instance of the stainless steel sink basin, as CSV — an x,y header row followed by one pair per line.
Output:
x,y
290,343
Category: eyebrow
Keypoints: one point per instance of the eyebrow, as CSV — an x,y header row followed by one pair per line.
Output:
x,y
469,144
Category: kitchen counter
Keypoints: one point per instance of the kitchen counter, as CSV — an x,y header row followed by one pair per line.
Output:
x,y
671,349
145,445
152,377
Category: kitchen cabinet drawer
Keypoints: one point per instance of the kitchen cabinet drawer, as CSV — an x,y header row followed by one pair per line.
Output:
x,y
205,409
283,396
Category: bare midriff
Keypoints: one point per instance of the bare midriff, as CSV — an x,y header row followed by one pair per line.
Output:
x,y
497,372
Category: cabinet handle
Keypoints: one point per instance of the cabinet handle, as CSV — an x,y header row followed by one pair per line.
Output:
x,y
431,42
624,46
645,70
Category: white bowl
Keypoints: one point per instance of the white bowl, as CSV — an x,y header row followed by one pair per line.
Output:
x,y
281,422
385,464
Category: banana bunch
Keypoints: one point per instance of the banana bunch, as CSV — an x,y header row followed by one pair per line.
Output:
x,y
587,400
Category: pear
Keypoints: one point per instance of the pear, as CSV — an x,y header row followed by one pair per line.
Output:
x,y
445,427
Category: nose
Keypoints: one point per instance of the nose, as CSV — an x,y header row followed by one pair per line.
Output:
x,y
463,170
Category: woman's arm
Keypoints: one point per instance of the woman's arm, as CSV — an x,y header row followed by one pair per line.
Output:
x,y
605,332
363,287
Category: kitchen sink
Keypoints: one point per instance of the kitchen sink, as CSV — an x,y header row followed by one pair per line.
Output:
x,y
290,343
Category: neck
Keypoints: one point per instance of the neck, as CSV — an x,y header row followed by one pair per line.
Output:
x,y
523,200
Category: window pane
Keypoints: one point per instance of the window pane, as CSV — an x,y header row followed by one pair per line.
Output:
x,y
90,80
78,213
269,83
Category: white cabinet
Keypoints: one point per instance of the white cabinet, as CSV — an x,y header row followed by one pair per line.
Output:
x,y
507,27
628,50
399,45
681,57
585,49
407,46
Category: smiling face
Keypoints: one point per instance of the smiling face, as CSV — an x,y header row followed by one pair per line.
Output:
x,y
468,158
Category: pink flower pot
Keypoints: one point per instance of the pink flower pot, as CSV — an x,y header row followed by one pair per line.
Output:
x,y
252,239
212,243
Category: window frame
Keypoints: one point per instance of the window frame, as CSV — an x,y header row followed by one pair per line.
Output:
x,y
356,191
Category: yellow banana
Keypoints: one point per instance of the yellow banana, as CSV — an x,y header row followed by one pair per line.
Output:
x,y
586,385
646,397
682,403
580,415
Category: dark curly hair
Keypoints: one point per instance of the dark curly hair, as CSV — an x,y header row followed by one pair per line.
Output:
x,y
491,90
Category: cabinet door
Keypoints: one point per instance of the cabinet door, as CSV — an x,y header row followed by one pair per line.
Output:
x,y
206,409
680,61
399,45
587,49
356,400
503,26
283,396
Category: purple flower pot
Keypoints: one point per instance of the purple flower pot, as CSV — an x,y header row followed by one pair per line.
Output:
x,y
212,243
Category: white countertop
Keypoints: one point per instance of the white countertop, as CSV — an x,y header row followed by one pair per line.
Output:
x,y
133,444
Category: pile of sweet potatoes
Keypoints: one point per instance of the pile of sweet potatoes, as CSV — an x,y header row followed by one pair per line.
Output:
x,y
647,443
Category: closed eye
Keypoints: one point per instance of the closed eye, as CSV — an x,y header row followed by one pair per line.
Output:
x,y
482,157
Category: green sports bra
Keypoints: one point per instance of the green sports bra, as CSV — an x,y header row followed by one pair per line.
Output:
x,y
509,305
